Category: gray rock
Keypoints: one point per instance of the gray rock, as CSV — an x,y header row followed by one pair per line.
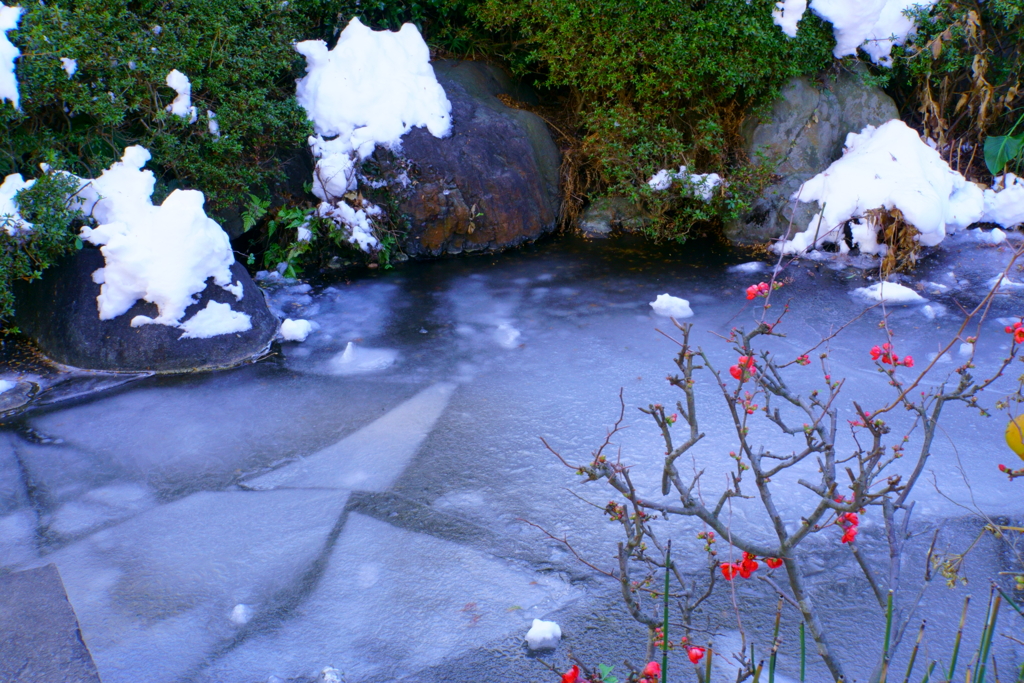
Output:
x,y
607,213
804,134
58,312
40,641
493,183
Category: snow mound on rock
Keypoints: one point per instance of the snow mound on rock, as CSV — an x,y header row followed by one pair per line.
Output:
x,y
161,254
885,168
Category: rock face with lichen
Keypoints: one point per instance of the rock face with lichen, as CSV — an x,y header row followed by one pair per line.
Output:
x,y
492,184
803,134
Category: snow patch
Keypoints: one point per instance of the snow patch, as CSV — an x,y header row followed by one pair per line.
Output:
x,y
356,221
890,293
787,14
182,104
507,336
212,125
214,320
1004,203
70,66
700,184
10,219
9,17
671,306
874,26
161,254
884,168
356,360
6,385
543,635
747,268
295,330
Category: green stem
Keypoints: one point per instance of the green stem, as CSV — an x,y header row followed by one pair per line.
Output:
x,y
803,654
986,642
1010,602
928,673
664,626
913,654
775,644
956,641
888,634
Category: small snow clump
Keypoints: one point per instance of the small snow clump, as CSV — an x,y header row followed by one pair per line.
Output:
x,y
161,254
6,385
9,17
356,360
295,330
543,635
215,319
70,66
671,306
884,168
787,14
1004,204
182,104
10,219
356,221
890,293
702,184
212,125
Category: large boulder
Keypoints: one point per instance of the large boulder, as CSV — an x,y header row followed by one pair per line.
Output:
x,y
493,183
59,313
803,134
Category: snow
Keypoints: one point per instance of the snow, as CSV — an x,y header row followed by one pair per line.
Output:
x,y
994,236
786,15
372,88
886,167
507,336
874,26
161,254
747,268
9,17
543,635
182,104
671,306
1004,203
701,184
6,385
214,320
212,125
295,330
356,360
241,614
70,66
10,219
890,293
356,221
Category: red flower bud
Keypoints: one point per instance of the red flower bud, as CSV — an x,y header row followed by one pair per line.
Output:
x,y
572,675
773,562
695,654
652,670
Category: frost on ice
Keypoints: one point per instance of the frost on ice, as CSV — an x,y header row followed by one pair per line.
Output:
x,y
884,168
182,104
10,219
700,184
543,635
161,254
9,17
371,89
671,306
874,26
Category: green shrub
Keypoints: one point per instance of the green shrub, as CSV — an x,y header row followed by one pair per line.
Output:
x,y
660,84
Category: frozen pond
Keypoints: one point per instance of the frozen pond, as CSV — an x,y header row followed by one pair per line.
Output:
x,y
357,500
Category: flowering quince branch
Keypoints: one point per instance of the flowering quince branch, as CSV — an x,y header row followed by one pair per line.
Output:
x,y
756,385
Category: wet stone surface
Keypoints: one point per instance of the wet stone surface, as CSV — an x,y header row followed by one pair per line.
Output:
x,y
365,507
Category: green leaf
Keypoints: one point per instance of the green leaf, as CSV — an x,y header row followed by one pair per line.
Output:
x,y
78,243
1001,150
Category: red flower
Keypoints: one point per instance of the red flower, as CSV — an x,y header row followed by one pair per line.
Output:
x,y
751,292
652,670
730,570
849,522
748,566
908,362
735,371
1018,335
803,360
849,534
875,352
773,562
572,675
695,654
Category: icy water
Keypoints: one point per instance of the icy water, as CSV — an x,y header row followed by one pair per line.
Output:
x,y
365,507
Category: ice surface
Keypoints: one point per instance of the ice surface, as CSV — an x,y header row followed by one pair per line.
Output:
x,y
543,635
787,14
182,104
295,330
374,619
884,168
162,254
70,66
214,320
372,457
9,17
890,293
100,507
671,306
10,219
